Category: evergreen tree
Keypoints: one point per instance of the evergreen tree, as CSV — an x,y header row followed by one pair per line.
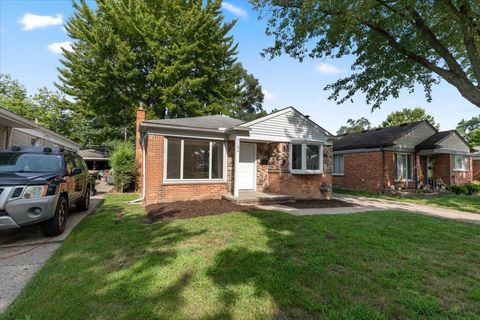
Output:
x,y
173,56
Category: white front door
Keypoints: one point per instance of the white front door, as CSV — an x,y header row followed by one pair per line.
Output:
x,y
246,166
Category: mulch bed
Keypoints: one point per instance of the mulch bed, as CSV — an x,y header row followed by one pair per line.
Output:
x,y
310,204
190,209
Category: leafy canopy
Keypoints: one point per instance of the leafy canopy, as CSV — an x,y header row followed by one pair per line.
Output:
x,y
175,57
396,44
48,108
406,115
470,129
358,125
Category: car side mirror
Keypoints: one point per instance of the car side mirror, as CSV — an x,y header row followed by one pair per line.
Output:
x,y
76,171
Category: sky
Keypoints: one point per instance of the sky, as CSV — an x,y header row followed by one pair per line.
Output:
x,y
31,35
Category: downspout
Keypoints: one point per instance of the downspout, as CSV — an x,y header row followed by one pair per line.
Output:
x,y
144,164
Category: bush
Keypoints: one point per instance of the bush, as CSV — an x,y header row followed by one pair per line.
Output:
x,y
122,161
469,188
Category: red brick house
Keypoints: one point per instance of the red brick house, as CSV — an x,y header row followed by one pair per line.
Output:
x,y
476,165
407,156
213,156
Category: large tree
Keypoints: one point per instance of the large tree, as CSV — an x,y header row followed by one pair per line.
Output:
x,y
396,44
353,125
406,115
470,129
175,57
48,108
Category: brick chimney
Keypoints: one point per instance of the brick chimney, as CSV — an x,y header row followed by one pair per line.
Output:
x,y
138,150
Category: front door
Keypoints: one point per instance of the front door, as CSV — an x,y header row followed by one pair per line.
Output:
x,y
246,166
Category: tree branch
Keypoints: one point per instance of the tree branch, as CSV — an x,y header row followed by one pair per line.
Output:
x,y
468,39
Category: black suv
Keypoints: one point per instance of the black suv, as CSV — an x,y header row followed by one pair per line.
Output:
x,y
38,185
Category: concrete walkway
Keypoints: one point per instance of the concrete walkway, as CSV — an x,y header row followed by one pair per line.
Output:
x,y
24,251
364,204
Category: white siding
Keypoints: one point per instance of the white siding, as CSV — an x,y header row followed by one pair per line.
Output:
x,y
288,126
414,137
22,139
454,143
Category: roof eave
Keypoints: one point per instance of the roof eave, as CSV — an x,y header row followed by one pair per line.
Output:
x,y
146,125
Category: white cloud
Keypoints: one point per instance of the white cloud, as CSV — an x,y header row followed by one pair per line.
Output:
x,y
268,96
32,21
327,68
56,47
234,9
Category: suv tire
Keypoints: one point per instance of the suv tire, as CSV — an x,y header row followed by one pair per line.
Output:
x,y
84,204
56,225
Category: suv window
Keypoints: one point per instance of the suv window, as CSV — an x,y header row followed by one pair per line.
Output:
x,y
30,162
79,163
70,164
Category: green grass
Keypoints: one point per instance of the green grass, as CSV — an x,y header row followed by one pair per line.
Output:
x,y
453,201
259,265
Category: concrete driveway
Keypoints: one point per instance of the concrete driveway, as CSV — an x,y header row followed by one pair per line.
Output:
x,y
24,251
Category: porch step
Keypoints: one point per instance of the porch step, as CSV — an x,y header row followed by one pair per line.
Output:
x,y
255,197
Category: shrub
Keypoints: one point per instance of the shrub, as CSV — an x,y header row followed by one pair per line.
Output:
x,y
469,188
122,161
472,187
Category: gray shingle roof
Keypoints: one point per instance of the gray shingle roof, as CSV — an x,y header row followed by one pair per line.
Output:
x,y
432,141
93,154
381,137
204,122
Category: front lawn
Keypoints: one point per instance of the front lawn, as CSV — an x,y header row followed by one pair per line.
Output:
x,y
262,265
453,201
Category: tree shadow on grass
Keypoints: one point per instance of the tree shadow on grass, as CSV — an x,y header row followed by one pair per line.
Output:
x,y
110,268
340,268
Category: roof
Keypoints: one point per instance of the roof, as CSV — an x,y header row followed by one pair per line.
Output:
x,y
381,137
13,120
204,122
432,142
92,154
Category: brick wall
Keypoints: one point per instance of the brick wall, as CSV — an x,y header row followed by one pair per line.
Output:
x,y
281,181
476,169
443,168
156,191
272,175
3,137
363,171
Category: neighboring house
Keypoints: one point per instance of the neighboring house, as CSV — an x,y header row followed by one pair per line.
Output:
x,y
18,131
403,156
212,156
476,165
96,159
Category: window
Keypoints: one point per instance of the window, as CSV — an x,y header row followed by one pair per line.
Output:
x,y
33,142
460,163
404,166
338,164
191,159
306,158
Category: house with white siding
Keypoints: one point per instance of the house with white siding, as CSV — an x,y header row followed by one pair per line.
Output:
x,y
409,156
18,131
209,157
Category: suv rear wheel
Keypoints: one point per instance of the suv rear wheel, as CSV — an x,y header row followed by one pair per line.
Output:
x,y
56,225
85,202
